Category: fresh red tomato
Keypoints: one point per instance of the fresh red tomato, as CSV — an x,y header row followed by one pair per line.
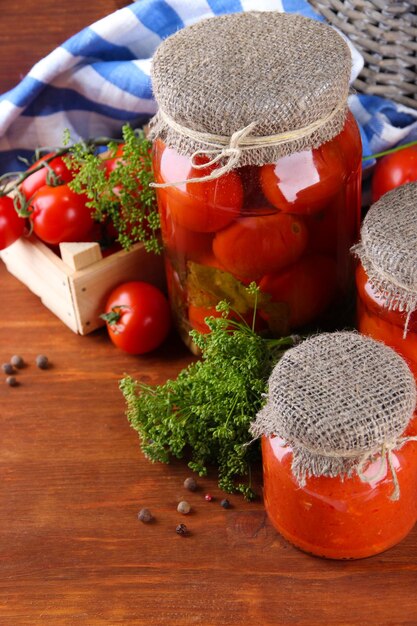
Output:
x,y
253,246
203,207
110,162
138,317
11,225
307,287
59,214
39,178
303,183
112,159
394,170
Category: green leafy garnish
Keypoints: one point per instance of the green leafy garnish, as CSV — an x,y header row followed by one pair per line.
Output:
x,y
206,411
122,196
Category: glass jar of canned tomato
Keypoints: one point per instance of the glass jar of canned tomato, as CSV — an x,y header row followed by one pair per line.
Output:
x,y
339,446
287,226
338,518
386,274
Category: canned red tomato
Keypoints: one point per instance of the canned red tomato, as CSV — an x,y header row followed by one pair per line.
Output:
x,y
288,226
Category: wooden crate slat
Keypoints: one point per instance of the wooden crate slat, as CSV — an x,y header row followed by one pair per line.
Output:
x,y
27,256
78,297
44,278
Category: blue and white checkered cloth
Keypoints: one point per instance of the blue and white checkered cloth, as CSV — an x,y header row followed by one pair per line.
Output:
x,y
99,79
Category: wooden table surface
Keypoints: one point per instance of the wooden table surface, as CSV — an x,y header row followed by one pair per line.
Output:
x,y
72,550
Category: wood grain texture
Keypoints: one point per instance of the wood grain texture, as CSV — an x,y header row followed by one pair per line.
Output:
x,y
73,478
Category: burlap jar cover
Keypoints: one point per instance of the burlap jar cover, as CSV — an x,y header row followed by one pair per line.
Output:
x,y
388,249
249,88
340,400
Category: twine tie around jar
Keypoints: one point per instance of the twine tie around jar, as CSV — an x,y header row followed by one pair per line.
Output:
x,y
343,402
231,148
386,460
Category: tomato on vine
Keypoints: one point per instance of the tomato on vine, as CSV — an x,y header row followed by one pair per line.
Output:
x,y
12,225
59,214
111,160
54,172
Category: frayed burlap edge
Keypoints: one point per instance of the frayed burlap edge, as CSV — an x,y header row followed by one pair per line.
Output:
x,y
357,393
305,462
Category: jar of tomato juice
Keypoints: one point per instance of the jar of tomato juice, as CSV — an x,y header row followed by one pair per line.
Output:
x,y
339,447
386,276
258,169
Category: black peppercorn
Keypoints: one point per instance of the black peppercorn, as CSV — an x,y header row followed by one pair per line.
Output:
x,y
17,361
42,361
8,368
11,381
145,516
225,503
182,530
190,484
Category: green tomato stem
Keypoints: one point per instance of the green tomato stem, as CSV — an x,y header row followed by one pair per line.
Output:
x,y
390,151
17,178
113,317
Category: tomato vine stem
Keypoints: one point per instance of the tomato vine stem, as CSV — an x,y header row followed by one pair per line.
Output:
x,y
17,178
378,155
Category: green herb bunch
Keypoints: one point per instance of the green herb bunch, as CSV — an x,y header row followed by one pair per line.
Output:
x,y
124,195
207,410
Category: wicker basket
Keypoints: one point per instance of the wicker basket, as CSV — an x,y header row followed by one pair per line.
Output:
x,y
385,33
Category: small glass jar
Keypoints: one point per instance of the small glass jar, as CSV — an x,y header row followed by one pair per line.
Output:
x,y
376,319
341,519
339,446
288,226
386,273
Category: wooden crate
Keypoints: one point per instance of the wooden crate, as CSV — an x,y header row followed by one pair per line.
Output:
x,y
75,287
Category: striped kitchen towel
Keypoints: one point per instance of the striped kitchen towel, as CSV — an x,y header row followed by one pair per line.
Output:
x,y
98,80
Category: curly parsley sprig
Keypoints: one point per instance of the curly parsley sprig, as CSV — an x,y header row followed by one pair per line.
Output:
x,y
124,195
208,408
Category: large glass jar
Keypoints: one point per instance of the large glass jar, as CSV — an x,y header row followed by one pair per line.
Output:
x,y
257,162
341,519
288,226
